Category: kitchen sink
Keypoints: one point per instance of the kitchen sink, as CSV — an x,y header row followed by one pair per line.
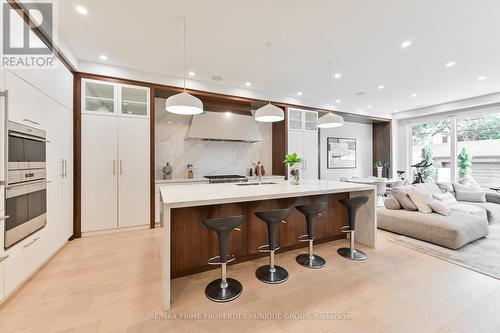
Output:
x,y
252,184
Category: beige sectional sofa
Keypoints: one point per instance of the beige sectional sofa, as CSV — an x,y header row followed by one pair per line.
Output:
x,y
465,223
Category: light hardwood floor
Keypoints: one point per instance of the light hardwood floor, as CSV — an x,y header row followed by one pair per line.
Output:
x,y
111,283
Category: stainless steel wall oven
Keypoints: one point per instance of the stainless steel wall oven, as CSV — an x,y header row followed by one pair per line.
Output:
x,y
26,191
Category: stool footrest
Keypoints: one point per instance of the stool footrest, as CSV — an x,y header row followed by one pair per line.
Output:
x,y
229,258
265,248
305,238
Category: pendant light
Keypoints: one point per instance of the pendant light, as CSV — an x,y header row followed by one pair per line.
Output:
x,y
330,120
269,113
184,103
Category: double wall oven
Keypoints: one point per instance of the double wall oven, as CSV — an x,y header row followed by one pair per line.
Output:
x,y
26,190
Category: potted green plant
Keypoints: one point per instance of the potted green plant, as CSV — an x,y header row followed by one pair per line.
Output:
x,y
293,162
379,165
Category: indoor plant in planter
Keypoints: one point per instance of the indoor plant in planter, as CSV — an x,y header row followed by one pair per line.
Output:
x,y
379,165
293,162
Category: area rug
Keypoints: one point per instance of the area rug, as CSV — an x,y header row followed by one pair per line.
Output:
x,y
482,255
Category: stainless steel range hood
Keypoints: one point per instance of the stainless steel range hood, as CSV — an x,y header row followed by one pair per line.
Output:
x,y
224,126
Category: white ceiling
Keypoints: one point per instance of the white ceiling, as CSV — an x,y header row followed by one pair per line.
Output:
x,y
227,38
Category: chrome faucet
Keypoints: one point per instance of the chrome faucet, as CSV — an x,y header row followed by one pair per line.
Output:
x,y
259,172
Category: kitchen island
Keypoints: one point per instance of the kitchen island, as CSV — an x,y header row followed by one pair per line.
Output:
x,y
188,244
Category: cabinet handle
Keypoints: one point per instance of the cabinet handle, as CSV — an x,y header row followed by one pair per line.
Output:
x,y
62,168
121,167
114,167
65,168
4,257
31,121
4,217
31,243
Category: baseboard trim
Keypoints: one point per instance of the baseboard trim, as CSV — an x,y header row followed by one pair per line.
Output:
x,y
113,231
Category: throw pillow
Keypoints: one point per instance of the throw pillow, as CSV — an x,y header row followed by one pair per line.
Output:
x,y
439,207
392,203
401,194
421,199
446,198
493,197
446,187
470,187
470,196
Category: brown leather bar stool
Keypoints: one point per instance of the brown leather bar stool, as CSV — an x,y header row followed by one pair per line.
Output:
x,y
352,205
224,289
272,273
311,211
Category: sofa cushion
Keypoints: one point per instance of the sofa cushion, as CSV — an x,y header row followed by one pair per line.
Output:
x,y
439,207
421,199
392,203
428,187
470,196
401,194
468,187
446,198
469,209
452,231
492,210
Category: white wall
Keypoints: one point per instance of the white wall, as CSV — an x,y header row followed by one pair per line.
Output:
x,y
208,157
364,143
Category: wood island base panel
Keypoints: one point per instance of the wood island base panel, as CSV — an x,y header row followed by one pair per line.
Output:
x,y
193,244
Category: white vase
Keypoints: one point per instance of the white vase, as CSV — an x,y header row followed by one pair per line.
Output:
x,y
379,172
294,174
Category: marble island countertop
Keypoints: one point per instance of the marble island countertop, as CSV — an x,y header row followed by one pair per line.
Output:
x,y
209,194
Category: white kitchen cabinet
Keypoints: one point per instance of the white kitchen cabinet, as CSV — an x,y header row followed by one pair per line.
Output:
x,y
133,175
303,140
115,156
99,172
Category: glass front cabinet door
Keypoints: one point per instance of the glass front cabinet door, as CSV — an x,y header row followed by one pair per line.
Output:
x,y
99,97
134,101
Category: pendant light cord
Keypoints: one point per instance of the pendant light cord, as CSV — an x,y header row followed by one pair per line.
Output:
x,y
269,71
330,90
184,51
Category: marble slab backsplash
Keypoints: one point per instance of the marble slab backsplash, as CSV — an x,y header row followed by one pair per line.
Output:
x,y
208,157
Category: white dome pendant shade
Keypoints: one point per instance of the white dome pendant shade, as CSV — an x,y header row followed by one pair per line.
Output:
x,y
184,103
330,120
269,113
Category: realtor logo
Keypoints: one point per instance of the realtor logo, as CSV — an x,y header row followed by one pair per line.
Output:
x,y
20,45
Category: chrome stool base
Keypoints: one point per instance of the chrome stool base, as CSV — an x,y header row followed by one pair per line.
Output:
x,y
354,254
313,262
264,274
216,293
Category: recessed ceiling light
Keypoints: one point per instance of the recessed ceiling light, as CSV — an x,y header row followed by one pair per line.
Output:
x,y
337,75
406,44
248,84
413,95
381,87
338,101
369,106
481,78
103,57
450,64
299,93
191,73
440,102
227,114
81,10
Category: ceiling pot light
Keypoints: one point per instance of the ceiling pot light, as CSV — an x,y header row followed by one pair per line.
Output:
x,y
248,84
269,113
380,87
81,10
184,103
338,75
330,120
413,95
369,106
338,101
481,78
406,44
191,73
299,93
450,64
103,57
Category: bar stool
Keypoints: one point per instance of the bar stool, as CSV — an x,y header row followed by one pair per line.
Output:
x,y
223,289
272,273
311,211
352,205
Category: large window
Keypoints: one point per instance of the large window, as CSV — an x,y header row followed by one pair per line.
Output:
x,y
478,149
474,140
431,142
